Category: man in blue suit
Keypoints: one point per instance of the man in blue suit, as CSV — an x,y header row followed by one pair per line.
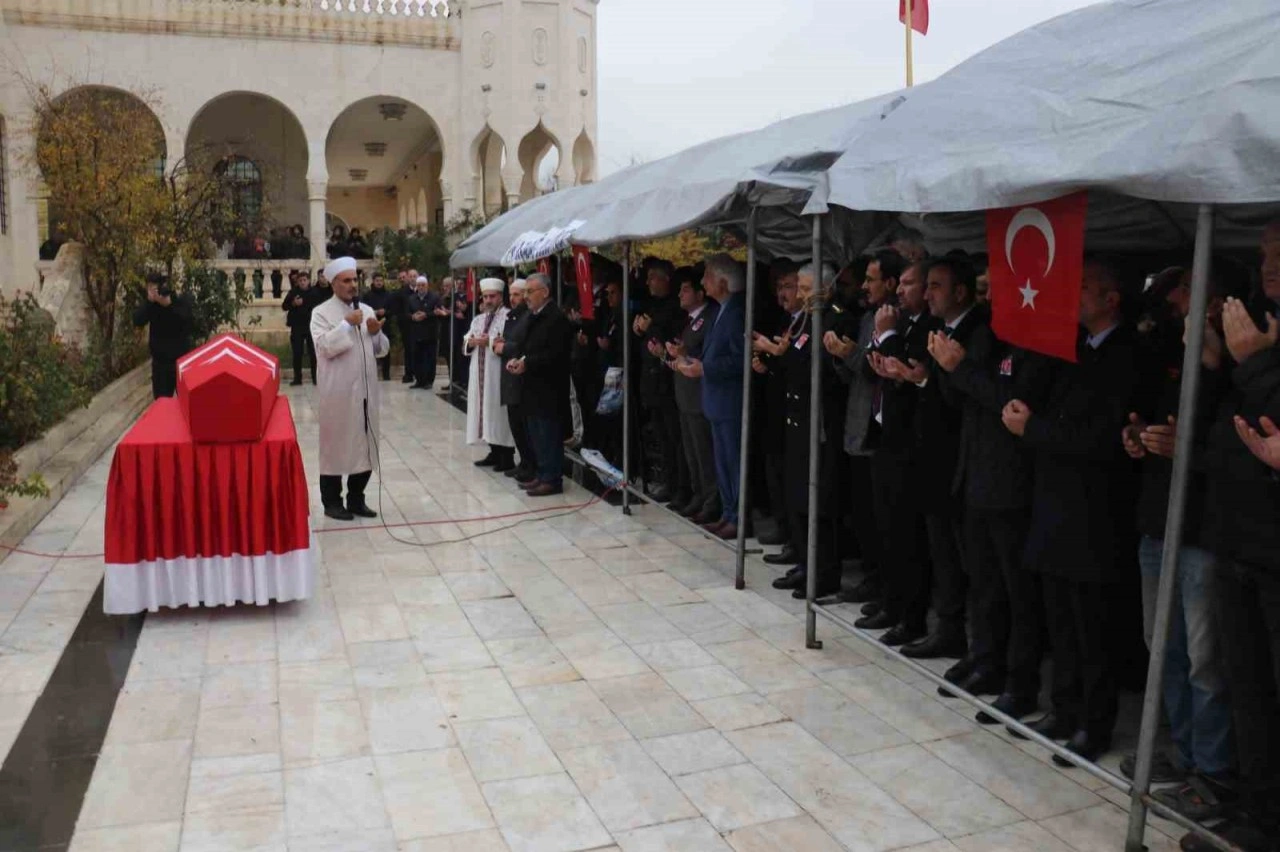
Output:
x,y
721,372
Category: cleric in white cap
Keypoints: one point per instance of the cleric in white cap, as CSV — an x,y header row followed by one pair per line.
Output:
x,y
349,341
486,415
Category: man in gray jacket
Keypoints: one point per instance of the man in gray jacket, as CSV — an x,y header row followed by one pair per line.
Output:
x,y
695,429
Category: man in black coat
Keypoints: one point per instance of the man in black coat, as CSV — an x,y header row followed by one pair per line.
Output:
x,y
767,360
423,308
695,429
298,304
397,308
169,337
381,300
543,367
993,479
509,347
1081,502
661,321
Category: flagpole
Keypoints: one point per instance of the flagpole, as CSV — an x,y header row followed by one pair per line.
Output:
x,y
910,74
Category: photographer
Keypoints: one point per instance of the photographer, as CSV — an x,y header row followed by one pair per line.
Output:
x,y
169,338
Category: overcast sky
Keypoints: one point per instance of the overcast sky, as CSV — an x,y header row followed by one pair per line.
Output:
x,y
677,72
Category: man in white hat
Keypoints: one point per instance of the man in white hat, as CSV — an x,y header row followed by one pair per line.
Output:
x,y
486,415
349,341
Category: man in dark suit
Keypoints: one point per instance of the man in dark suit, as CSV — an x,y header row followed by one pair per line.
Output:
x,y
543,366
508,347
297,305
397,308
766,360
695,430
721,371
380,299
1081,497
660,321
424,309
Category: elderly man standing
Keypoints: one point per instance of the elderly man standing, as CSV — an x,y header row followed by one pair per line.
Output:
x,y
486,415
424,308
543,365
507,347
721,371
349,341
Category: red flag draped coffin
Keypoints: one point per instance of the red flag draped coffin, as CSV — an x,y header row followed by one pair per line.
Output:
x,y
207,500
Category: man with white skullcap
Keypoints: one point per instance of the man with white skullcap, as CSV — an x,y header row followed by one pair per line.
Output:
x,y
424,310
349,341
486,415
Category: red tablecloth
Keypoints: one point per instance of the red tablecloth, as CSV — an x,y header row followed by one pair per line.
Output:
x,y
201,513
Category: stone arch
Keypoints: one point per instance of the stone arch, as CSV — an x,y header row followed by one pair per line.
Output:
x,y
251,126
584,159
539,156
379,144
488,159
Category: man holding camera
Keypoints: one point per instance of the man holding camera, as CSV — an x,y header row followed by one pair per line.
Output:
x,y
169,337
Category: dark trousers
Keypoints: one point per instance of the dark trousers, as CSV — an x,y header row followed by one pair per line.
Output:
x,y
700,457
331,489
520,432
164,376
862,518
384,366
1006,612
950,585
302,345
547,437
587,386
828,565
666,422
775,471
726,440
424,362
407,346
1249,622
905,572
1084,683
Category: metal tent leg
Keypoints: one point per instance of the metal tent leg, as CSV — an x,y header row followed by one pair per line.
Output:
x,y
815,446
626,379
740,570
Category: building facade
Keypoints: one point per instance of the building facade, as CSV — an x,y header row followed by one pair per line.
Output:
x,y
367,113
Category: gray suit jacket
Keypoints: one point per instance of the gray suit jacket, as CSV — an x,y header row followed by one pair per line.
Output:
x,y
689,391
857,374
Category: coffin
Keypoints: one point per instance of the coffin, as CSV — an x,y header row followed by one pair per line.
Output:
x,y
227,389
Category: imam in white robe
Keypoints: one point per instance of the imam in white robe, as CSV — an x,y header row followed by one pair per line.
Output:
x,y
484,392
347,374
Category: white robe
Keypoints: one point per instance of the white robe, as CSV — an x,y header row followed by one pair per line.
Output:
x,y
496,430
344,377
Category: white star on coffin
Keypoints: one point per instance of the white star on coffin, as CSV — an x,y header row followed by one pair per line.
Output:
x,y
1028,296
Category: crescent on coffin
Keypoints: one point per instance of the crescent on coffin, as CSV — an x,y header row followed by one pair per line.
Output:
x,y
1030,217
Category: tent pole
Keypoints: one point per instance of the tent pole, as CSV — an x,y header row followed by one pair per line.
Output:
x,y
815,433
453,302
740,570
1173,526
560,280
626,379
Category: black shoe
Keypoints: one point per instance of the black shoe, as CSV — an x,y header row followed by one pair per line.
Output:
x,y
660,495
678,501
419,386
983,682
338,513
488,461
937,645
872,608
1164,769
794,579
408,379
1089,746
880,621
1238,830
361,509
778,537
520,473
296,382
958,672
786,556
867,590
1010,705
819,593
504,465
900,635
1051,727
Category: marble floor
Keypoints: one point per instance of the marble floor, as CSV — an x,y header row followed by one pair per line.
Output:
x,y
583,681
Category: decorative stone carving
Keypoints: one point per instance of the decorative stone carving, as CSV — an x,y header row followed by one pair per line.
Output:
x,y
583,59
488,48
63,294
541,46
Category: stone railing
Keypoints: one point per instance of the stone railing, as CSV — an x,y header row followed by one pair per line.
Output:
x,y
389,8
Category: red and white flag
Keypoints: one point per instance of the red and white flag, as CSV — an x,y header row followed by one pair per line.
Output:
x,y
471,285
544,265
586,287
1036,259
919,15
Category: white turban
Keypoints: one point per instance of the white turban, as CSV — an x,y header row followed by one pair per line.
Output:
x,y
518,286
422,279
339,265
492,285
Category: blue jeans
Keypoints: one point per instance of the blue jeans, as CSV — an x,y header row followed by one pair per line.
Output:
x,y
726,444
1194,690
547,438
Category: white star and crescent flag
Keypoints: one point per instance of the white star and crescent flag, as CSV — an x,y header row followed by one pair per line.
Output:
x,y
1036,256
582,277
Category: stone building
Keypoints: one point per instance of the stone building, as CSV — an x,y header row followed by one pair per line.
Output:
x,y
366,113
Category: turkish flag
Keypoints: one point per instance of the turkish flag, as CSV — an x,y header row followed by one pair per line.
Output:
x,y
544,266
471,285
582,275
1036,257
919,15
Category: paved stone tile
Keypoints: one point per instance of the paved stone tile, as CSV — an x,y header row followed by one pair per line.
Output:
x,y
682,754
625,787
544,814
736,796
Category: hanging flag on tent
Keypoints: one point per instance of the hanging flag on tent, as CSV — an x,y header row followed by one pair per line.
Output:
x,y
586,287
919,15
471,285
1036,257
544,265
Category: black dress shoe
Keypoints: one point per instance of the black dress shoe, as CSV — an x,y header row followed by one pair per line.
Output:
x,y
1087,745
504,465
361,509
1051,727
660,495
1010,705
704,518
793,579
527,483
900,635
520,473
408,379
983,682
338,513
296,382
776,538
867,590
488,461
680,499
880,621
872,608
786,556
936,645
959,671
819,593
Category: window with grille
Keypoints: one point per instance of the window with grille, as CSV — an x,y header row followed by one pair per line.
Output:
x,y
243,182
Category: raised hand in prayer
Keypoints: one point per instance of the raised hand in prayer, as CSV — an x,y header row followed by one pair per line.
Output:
x,y
1266,449
758,365
641,324
912,371
373,325
655,349
675,348
946,351
1159,440
582,339
840,347
516,367
877,362
1131,436
355,318
1243,337
480,341
886,319
1015,416
690,367
499,344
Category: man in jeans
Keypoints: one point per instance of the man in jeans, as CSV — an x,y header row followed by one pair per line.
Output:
x,y
1194,688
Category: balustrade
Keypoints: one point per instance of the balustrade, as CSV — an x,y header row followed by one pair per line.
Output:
x,y
383,8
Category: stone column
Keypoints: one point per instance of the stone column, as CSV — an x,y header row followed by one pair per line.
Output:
x,y
317,196
446,199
